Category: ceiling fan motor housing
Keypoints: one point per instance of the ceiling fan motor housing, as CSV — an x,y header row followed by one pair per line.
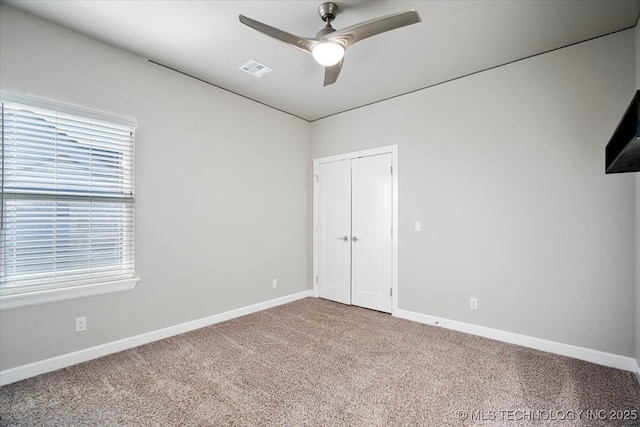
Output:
x,y
328,11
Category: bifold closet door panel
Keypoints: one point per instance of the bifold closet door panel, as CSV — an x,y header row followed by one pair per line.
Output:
x,y
334,231
371,232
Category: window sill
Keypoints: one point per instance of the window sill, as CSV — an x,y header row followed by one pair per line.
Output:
x,y
8,302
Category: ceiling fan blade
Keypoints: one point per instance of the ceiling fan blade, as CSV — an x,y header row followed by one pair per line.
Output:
x,y
331,73
301,43
354,33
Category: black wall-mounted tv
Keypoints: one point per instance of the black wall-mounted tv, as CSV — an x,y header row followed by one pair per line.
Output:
x,y
622,153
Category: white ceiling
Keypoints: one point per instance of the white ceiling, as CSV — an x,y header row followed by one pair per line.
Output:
x,y
455,38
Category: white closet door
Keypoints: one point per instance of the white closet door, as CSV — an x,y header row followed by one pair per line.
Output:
x,y
334,231
371,234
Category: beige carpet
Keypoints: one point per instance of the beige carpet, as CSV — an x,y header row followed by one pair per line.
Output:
x,y
315,362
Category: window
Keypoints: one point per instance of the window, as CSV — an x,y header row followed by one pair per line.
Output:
x,y
67,186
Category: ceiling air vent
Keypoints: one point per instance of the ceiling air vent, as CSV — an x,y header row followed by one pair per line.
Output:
x,y
255,68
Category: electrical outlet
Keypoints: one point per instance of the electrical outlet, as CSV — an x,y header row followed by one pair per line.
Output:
x,y
473,303
274,283
81,324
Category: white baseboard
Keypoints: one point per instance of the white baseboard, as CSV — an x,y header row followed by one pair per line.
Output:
x,y
18,373
594,356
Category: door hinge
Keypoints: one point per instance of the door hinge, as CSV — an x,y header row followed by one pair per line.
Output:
x,y
391,170
391,292
317,178
316,279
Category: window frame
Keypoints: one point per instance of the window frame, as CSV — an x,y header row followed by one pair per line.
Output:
x,y
62,292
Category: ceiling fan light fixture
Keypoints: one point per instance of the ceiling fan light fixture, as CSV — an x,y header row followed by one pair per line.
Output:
x,y
328,53
329,45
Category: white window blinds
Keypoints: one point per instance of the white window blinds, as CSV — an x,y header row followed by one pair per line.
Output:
x,y
67,199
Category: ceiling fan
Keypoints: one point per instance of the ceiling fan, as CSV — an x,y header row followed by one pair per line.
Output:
x,y
329,45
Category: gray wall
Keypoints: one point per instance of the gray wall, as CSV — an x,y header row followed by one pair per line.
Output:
x,y
637,176
505,169
222,201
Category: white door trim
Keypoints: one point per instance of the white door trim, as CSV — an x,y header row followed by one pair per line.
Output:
x,y
393,149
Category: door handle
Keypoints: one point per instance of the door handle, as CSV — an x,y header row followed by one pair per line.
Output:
x,y
354,238
345,238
